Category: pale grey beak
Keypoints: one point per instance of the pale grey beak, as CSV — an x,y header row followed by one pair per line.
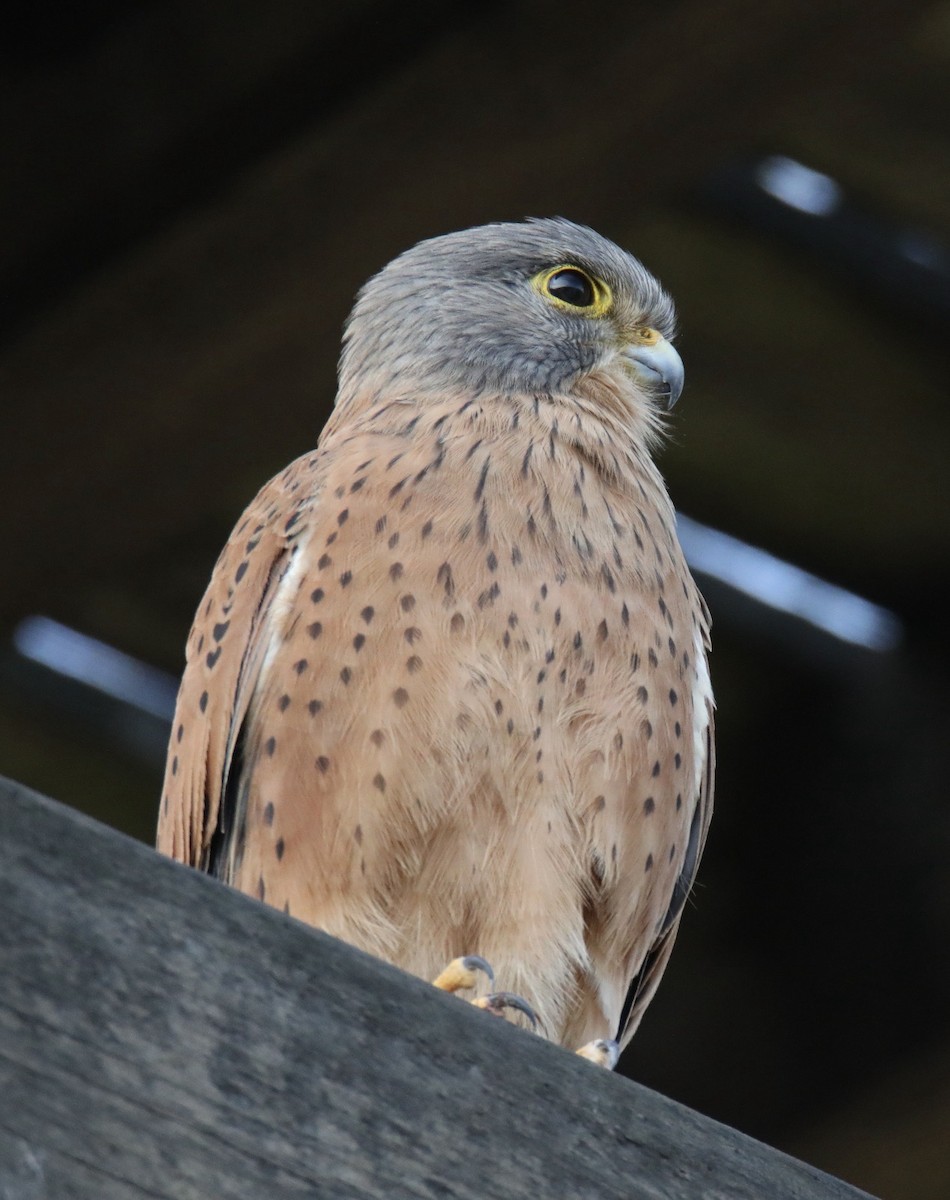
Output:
x,y
660,368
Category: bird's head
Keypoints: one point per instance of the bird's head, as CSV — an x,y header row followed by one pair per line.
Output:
x,y
540,307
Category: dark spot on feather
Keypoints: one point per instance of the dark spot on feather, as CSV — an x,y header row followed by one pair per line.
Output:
x,y
203,701
279,848
483,523
481,479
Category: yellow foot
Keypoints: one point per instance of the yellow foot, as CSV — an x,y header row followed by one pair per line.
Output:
x,y
462,973
604,1052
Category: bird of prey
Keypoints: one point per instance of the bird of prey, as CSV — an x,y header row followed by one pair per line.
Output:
x,y
447,692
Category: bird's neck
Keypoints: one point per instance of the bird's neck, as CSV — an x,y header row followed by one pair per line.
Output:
x,y
605,423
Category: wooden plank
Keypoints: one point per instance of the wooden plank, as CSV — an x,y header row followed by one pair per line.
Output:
x,y
161,1036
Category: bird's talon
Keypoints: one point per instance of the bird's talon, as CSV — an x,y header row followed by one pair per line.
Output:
x,y
603,1052
497,1002
462,973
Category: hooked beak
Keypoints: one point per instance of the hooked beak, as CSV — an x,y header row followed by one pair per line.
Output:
x,y
660,368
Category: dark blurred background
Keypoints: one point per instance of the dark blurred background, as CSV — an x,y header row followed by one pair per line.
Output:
x,y
192,192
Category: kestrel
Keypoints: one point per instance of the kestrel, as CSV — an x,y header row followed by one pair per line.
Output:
x,y
447,692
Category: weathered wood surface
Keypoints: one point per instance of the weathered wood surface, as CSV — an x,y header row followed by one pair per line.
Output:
x,y
161,1036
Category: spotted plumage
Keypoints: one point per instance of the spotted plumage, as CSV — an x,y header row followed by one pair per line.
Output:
x,y
447,690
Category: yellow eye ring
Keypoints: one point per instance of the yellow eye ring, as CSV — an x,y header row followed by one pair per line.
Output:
x,y
571,289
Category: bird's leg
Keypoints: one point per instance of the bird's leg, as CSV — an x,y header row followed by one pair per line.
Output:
x,y
462,973
603,1052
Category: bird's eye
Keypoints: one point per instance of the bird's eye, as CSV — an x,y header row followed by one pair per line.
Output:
x,y
572,287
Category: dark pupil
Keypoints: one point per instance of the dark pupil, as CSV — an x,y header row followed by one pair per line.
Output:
x,y
572,287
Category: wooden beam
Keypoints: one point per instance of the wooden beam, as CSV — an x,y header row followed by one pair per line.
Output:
x,y
162,1036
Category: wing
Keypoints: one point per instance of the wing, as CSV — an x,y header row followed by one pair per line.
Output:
x,y
647,978
223,662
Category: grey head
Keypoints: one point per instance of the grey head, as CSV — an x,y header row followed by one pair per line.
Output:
x,y
523,307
